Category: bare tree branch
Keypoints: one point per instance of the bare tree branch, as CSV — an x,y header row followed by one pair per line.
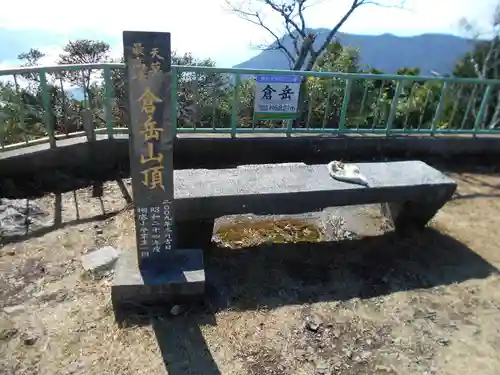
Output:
x,y
331,34
399,5
286,13
301,15
295,39
256,19
292,13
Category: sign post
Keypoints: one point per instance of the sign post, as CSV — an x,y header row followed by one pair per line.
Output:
x,y
276,97
156,265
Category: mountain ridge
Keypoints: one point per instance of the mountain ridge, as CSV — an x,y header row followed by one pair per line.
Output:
x,y
386,52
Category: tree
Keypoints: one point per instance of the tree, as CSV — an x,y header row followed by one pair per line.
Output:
x,y
325,96
84,51
197,92
482,62
64,111
13,103
29,59
303,53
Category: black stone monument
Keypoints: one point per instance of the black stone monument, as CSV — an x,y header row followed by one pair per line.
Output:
x,y
157,272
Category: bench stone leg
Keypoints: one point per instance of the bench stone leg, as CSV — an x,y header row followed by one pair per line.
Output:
x,y
414,215
409,216
194,233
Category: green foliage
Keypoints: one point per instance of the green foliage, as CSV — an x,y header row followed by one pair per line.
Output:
x,y
482,62
83,51
206,100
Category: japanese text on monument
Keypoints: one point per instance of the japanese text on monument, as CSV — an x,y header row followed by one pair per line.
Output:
x,y
153,221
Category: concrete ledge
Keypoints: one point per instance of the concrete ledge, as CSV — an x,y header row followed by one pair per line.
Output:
x,y
212,151
35,170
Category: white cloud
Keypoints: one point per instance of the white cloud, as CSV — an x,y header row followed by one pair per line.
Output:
x,y
206,29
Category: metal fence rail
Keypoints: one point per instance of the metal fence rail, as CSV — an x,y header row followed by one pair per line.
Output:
x,y
44,104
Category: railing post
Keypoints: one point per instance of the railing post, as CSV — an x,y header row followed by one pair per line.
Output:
x,y
394,107
47,117
345,104
469,105
2,135
482,109
20,103
234,112
289,128
327,105
439,109
108,101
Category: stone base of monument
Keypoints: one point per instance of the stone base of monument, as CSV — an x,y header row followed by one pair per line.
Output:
x,y
180,280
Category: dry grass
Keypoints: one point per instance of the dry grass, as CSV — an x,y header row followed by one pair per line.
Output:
x,y
373,305
252,233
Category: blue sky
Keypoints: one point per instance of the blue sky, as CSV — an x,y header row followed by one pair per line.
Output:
x,y
205,28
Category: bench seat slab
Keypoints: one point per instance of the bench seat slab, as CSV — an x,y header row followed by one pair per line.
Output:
x,y
410,192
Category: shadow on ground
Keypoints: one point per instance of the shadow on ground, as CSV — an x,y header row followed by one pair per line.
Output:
x,y
284,274
478,181
31,227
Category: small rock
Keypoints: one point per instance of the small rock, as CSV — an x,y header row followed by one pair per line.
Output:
x,y
29,339
11,310
348,353
299,353
8,333
11,252
99,231
323,371
313,324
61,296
7,329
365,355
444,341
176,310
382,368
322,368
397,340
100,260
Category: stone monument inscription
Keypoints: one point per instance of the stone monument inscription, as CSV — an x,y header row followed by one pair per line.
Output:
x,y
147,56
159,273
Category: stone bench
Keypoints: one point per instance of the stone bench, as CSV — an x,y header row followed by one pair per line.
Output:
x,y
410,194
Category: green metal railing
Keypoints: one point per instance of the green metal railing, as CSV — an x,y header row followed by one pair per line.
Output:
x,y
35,106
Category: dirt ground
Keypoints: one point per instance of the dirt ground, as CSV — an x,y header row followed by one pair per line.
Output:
x,y
374,304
